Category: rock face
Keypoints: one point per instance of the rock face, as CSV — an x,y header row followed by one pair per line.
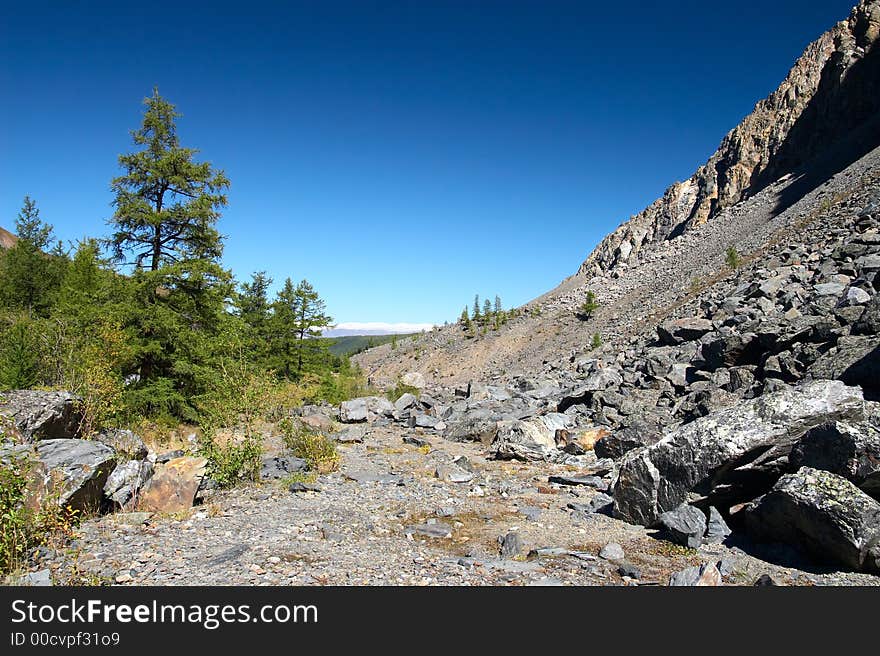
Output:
x,y
42,415
174,485
727,453
832,90
823,513
78,470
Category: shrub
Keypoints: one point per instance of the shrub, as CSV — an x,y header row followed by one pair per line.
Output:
x,y
590,305
732,258
24,526
597,341
232,461
302,441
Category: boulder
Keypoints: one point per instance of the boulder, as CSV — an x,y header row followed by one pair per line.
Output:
x,y
405,402
523,440
678,331
475,427
174,485
624,440
824,514
319,422
77,470
41,415
684,525
125,483
717,529
855,361
274,468
733,453
845,449
413,379
124,442
354,411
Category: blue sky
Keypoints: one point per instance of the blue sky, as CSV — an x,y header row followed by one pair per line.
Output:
x,y
402,156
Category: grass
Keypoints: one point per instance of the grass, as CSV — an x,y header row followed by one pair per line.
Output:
x,y
308,478
400,389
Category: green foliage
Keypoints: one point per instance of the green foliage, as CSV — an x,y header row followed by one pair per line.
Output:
x,y
588,307
318,450
732,258
295,328
29,275
488,316
25,520
352,344
596,341
19,353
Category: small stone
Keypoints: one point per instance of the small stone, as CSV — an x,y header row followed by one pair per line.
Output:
x,y
612,551
511,545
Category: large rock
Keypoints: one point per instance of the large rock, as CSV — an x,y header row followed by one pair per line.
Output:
x,y
125,483
78,470
174,485
684,525
729,453
823,513
43,415
677,331
475,427
523,440
274,468
354,411
624,440
848,450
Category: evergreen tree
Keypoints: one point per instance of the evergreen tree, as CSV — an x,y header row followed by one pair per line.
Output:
x,y
498,308
487,310
590,305
298,317
166,203
476,312
253,307
464,320
166,207
19,354
29,274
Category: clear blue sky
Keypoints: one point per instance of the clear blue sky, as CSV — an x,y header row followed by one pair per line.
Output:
x,y
402,156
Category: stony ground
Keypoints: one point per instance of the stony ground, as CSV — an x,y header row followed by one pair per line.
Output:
x,y
366,527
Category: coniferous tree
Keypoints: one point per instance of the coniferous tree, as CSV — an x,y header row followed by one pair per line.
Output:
x,y
298,317
464,320
487,310
476,312
29,274
498,308
166,209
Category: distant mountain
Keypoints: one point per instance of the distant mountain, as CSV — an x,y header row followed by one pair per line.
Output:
x,y
352,344
7,239
351,332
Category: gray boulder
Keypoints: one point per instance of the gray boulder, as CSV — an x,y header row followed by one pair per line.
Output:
x,y
405,402
823,513
354,411
684,525
41,415
78,470
717,529
125,481
277,467
730,453
624,440
473,427
845,449
678,331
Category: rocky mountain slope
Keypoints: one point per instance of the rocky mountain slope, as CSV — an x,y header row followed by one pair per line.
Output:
x,y
7,239
807,145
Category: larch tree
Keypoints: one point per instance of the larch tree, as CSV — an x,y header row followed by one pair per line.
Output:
x,y
166,208
298,319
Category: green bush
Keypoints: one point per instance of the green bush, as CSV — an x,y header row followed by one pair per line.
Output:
x,y
233,461
302,441
588,307
732,258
